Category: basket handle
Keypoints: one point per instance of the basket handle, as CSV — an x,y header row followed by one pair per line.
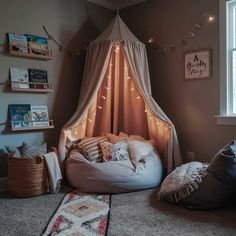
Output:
x,y
39,159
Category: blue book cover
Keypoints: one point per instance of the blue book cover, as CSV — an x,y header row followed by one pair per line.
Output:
x,y
20,115
18,42
37,44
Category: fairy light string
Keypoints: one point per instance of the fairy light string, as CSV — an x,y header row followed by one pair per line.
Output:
x,y
202,23
99,107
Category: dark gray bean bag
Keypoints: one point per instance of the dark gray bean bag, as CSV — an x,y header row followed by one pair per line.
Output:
x,y
218,187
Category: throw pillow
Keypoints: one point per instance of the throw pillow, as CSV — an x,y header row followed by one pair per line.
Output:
x,y
106,150
138,150
123,135
32,150
114,138
136,137
120,151
90,148
182,181
12,149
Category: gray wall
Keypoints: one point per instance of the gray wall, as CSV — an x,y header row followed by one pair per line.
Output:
x,y
191,105
73,23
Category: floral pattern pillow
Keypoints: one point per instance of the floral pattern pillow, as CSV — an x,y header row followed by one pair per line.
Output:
x,y
106,148
120,151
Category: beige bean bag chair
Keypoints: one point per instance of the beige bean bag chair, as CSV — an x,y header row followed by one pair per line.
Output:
x,y
113,176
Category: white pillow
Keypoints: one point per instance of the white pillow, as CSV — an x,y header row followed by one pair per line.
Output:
x,y
138,150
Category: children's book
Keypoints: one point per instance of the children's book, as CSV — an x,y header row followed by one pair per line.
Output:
x,y
20,115
37,44
38,76
40,116
19,77
18,42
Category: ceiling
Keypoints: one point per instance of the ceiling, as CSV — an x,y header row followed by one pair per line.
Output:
x,y
114,4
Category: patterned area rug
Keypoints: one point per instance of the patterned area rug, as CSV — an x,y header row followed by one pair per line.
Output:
x,y
80,215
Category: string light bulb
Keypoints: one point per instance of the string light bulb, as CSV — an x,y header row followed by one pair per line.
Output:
x,y
211,18
117,49
202,22
99,107
151,40
132,89
103,97
138,97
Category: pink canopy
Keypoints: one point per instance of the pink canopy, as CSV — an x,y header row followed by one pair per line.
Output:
x,y
116,96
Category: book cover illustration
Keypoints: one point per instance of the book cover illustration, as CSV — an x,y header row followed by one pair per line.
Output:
x,y
40,116
19,75
20,115
19,42
38,76
37,44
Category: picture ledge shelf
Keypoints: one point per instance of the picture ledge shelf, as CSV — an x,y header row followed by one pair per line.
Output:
x,y
48,87
50,126
30,55
32,90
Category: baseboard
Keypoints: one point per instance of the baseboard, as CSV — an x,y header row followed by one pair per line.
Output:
x,y
3,184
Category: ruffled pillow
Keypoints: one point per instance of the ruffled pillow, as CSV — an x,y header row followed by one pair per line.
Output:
x,y
184,180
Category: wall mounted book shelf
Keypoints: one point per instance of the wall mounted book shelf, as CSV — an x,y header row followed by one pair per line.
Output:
x,y
28,125
32,87
46,54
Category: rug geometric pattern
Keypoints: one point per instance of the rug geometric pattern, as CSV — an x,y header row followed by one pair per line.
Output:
x,y
80,215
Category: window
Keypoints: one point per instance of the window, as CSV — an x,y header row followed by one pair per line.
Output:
x,y
231,56
227,62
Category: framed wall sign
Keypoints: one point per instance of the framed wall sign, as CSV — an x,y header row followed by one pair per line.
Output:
x,y
197,64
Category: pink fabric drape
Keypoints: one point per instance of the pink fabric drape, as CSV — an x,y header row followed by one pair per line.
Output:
x,y
116,96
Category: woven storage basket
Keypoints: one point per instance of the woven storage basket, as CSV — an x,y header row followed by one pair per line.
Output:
x,y
27,177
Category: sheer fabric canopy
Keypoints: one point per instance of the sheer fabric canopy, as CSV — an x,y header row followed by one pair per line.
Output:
x,y
116,96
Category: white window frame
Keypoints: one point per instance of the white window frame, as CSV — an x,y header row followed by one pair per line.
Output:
x,y
226,116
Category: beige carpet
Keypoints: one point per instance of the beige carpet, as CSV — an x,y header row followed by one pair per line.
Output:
x,y
132,214
141,214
